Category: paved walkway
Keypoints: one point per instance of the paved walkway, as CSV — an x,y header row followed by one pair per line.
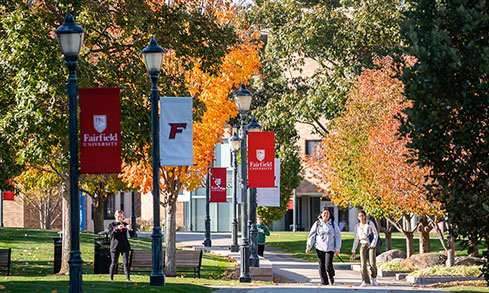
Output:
x,y
293,274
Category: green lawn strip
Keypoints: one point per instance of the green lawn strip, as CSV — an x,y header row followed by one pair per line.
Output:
x,y
33,256
294,243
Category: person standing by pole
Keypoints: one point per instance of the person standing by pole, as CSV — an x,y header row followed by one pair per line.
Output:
x,y
263,232
326,238
119,232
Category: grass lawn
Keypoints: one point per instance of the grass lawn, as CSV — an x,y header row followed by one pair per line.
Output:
x,y
295,244
32,267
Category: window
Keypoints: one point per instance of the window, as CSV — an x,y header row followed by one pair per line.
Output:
x,y
109,207
311,146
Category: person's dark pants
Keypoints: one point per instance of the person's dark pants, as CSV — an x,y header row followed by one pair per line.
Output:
x,y
115,261
261,249
325,259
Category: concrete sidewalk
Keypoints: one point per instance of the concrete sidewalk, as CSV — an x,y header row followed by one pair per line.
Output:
x,y
294,274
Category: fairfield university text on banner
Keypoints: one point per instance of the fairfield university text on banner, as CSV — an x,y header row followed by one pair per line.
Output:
x,y
218,184
176,133
100,130
261,155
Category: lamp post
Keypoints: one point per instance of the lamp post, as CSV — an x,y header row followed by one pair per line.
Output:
x,y
133,213
235,142
207,237
254,259
1,208
70,39
153,59
243,103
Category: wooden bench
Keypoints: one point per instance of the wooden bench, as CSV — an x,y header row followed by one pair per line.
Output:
x,y
5,259
185,259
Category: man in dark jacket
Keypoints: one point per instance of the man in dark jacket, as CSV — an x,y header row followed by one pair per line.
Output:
x,y
118,232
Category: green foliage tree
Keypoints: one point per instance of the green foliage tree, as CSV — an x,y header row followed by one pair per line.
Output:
x,y
339,36
448,120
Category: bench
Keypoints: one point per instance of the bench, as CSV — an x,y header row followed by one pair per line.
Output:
x,y
185,259
5,259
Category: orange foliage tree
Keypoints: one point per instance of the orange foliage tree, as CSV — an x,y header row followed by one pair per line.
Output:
x,y
212,90
363,162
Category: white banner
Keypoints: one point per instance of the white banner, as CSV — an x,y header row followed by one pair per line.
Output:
x,y
270,197
176,135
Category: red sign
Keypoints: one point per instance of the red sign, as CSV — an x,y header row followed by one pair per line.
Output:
x,y
8,195
100,130
261,155
218,184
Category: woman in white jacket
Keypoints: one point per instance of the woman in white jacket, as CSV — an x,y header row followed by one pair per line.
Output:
x,y
326,238
367,250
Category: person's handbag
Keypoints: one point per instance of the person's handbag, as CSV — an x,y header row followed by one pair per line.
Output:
x,y
370,239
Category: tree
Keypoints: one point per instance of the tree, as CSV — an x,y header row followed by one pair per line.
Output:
x,y
33,92
211,92
364,161
339,36
41,191
99,187
447,121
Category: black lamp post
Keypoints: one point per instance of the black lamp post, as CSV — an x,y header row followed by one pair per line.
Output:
x,y
1,208
133,213
70,39
235,142
254,259
207,236
243,103
153,59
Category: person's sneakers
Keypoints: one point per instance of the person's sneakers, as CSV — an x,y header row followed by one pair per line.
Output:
x,y
331,281
363,284
374,282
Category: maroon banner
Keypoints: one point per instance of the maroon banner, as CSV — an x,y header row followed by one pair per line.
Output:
x,y
8,195
261,155
100,131
218,184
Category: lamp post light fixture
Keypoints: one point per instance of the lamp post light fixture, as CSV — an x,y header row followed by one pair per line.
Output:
x,y
153,59
235,142
254,259
70,39
243,103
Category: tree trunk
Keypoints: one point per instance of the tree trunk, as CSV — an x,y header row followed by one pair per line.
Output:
x,y
409,243
98,213
424,237
170,239
66,242
473,247
451,252
388,240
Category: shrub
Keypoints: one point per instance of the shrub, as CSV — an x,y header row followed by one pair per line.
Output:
x,y
393,265
441,270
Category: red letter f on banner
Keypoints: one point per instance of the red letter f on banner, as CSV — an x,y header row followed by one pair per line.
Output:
x,y
175,128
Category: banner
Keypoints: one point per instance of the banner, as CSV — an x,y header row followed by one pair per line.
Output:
x,y
261,155
218,184
8,195
100,131
270,197
176,134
